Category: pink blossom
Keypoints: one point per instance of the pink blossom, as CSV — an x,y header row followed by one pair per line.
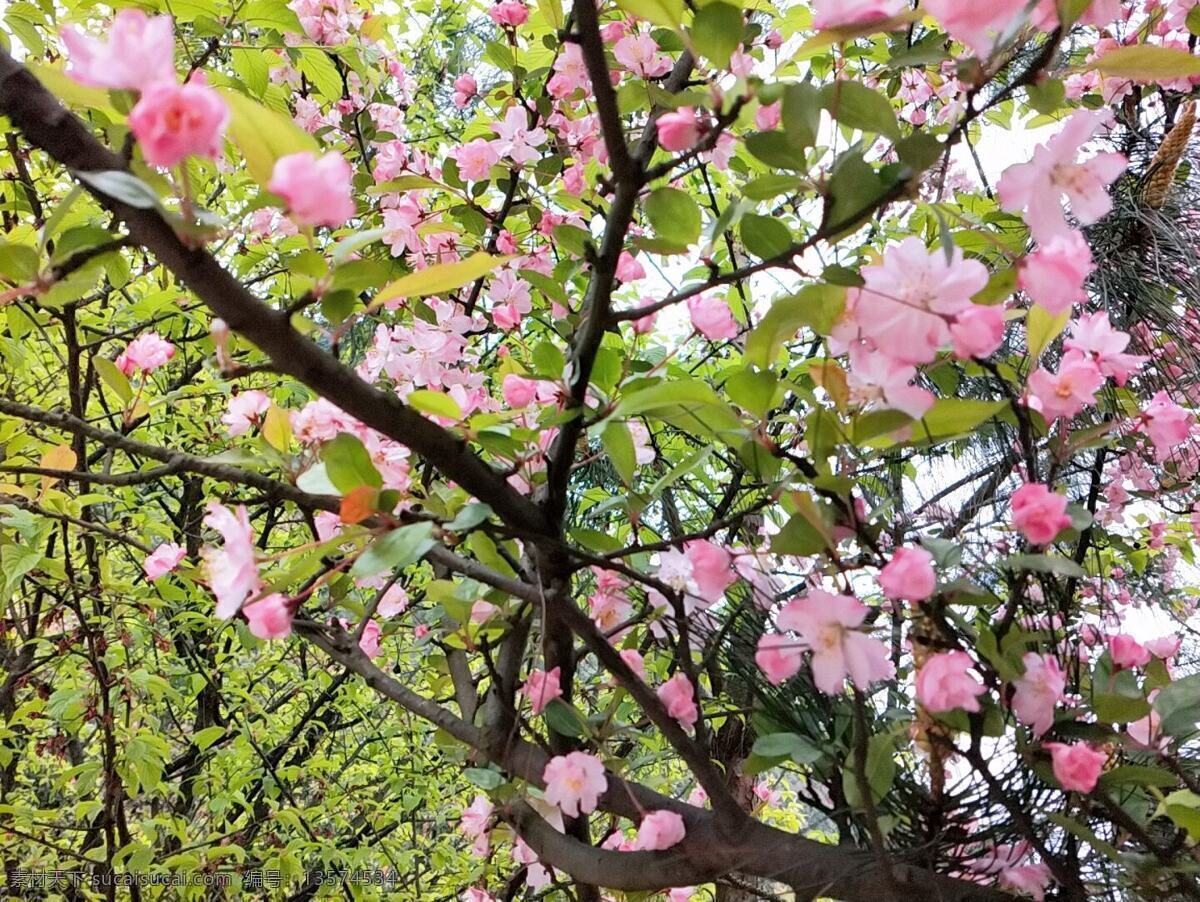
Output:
x,y
541,688
633,658
659,830
978,331
245,409
269,617
909,299
639,54
328,525
368,642
317,190
328,22
944,683
1167,424
1067,392
1127,653
517,140
1038,691
908,575
628,268
768,116
712,571
875,378
172,122
147,352
829,625
1164,647
509,13
574,782
1031,879
394,602
570,72
1039,513
162,560
232,570
465,87
679,130
1095,338
474,894
680,700
477,817
140,51
779,657
712,318
1076,767
476,159
978,25
518,391
1037,187
837,13
1054,274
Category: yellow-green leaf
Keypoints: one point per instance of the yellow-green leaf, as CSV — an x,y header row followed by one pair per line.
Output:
x,y
1148,63
276,429
72,93
438,279
1041,328
263,135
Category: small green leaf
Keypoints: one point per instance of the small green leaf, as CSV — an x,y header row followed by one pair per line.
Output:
x,y
618,444
395,549
717,32
674,216
854,105
1146,62
435,403
348,464
667,13
764,236
123,186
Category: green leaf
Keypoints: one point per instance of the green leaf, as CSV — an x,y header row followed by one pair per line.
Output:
x,y
800,114
264,135
348,464
394,550
565,719
667,13
674,216
1178,706
816,306
1146,62
251,67
484,777
1045,563
717,32
618,445
787,745
113,378
321,71
856,106
439,279
953,417
753,390
1138,775
690,405
1047,96
123,186
774,149
1041,328
72,93
764,236
18,262
1182,807
435,403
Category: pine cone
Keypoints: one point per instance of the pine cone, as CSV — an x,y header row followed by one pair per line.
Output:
x,y
1166,161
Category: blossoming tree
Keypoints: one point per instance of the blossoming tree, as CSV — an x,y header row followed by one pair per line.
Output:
x,y
588,450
